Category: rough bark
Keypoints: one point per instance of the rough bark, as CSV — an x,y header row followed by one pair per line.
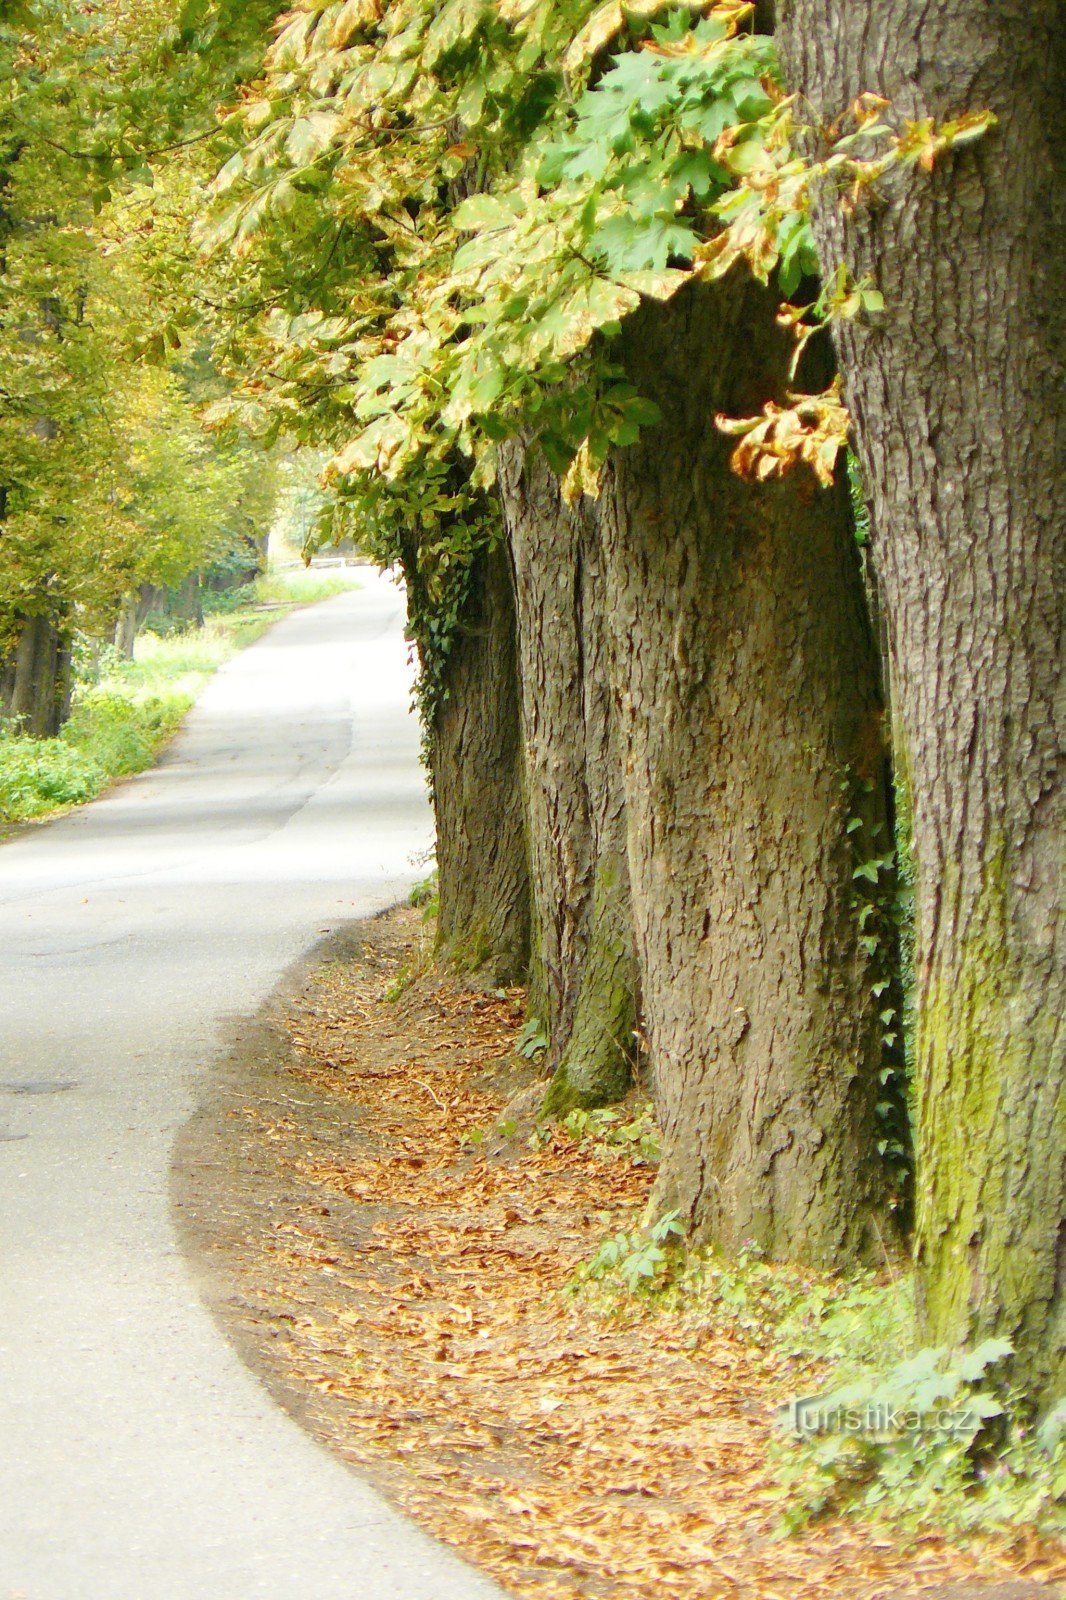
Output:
x,y
958,399
475,755
747,682
583,970
35,680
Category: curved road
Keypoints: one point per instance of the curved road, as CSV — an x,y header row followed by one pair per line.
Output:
x,y
139,1460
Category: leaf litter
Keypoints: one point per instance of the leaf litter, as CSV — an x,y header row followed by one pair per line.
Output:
x,y
390,1249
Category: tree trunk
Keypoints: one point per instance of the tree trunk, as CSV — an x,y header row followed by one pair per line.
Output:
x,y
747,681
583,972
35,681
126,628
187,602
957,396
134,614
475,759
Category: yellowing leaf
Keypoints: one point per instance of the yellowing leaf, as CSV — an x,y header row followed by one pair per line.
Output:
x,y
353,16
813,429
598,31
657,285
581,477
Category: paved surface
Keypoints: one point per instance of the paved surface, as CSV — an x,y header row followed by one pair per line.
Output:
x,y
139,1460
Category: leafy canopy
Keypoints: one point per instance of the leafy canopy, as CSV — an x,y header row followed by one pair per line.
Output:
x,y
482,219
107,479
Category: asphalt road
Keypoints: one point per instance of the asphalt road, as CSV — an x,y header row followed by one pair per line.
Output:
x,y
139,1459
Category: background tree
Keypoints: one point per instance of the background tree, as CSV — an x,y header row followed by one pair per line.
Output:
x,y
109,487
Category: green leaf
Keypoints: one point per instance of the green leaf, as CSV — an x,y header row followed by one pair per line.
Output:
x,y
481,211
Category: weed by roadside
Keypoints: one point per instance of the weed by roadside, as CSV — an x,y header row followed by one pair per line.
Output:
x,y
630,1129
297,586
425,896
928,1440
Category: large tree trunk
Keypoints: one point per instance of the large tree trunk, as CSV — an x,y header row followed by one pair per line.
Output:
x,y
583,970
475,759
958,399
746,676
35,680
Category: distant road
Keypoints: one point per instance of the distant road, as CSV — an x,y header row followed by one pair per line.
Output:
x,y
139,1460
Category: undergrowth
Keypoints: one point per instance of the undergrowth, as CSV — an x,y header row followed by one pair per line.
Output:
x,y
299,585
868,1426
630,1129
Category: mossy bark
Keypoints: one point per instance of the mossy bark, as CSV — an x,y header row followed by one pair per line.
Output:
x,y
583,970
746,677
992,1123
596,1064
959,400
475,758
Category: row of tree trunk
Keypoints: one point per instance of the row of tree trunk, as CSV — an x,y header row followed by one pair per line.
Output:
x,y
661,765
662,713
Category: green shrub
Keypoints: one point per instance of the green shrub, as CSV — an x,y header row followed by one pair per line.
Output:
x,y
638,1261
631,1129
934,1441
39,775
109,735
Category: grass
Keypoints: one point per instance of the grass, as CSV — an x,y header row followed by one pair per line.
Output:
x,y
297,586
125,711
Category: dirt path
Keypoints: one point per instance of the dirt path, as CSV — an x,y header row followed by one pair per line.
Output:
x,y
395,1268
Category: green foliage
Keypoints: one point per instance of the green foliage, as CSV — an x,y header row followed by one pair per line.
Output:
x,y
808,1320
426,896
876,906
109,736
302,586
903,909
532,1040
629,1130
424,891
933,1440
910,1440
40,775
399,984
639,1261
441,216
125,711
107,480
860,511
